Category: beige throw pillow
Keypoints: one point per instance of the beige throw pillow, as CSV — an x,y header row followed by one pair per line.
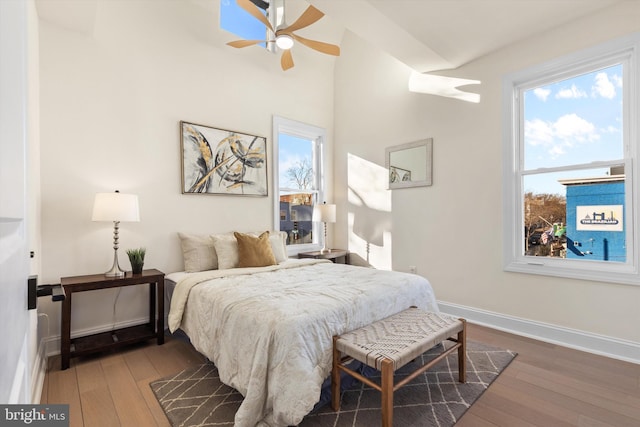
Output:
x,y
254,251
226,250
198,252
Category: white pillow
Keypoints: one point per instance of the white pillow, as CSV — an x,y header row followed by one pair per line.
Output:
x,y
198,252
278,242
226,247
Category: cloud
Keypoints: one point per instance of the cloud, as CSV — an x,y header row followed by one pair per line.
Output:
x,y
571,93
617,80
542,93
572,128
556,137
538,132
611,129
557,151
604,87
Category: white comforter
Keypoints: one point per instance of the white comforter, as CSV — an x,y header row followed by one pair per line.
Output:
x,y
268,330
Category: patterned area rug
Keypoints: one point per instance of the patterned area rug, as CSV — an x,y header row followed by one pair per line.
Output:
x,y
196,397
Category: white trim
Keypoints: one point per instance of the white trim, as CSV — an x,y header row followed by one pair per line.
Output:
x,y
319,136
624,50
615,348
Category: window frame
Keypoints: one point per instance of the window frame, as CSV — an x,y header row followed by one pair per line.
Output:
x,y
624,50
318,136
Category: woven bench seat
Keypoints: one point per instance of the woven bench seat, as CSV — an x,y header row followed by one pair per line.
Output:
x,y
391,343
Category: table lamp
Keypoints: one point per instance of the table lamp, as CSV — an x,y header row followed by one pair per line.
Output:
x,y
324,213
115,207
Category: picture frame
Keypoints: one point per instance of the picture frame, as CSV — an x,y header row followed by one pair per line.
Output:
x,y
222,162
410,164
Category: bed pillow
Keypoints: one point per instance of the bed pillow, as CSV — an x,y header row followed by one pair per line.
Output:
x,y
254,251
279,245
278,241
226,247
198,252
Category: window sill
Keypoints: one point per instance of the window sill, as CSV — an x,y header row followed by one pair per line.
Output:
x,y
596,271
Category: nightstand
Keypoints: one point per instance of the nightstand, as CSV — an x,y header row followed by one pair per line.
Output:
x,y
106,340
334,255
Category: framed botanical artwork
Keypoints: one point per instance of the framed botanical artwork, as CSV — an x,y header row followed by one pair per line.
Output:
x,y
219,161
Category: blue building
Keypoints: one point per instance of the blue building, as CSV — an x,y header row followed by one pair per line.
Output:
x,y
595,218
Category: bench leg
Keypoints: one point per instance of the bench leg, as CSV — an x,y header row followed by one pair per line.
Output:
x,y
387,393
335,378
462,353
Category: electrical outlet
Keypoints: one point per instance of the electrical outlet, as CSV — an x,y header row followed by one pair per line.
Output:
x,y
413,269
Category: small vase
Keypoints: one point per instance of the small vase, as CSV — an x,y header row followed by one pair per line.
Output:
x,y
136,258
137,268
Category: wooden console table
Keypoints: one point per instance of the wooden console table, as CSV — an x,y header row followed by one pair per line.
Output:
x,y
106,340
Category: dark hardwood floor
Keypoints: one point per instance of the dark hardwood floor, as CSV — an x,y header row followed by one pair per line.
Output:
x,y
546,386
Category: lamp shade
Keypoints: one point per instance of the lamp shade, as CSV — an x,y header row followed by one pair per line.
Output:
x,y
324,213
115,207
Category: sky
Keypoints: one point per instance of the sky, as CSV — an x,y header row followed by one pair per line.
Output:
x,y
236,20
291,151
573,121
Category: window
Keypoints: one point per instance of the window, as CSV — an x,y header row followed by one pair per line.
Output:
x,y
237,21
299,177
569,178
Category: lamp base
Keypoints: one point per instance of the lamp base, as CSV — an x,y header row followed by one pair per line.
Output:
x,y
114,273
115,270
324,249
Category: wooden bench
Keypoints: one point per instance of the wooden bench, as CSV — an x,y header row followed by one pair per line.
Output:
x,y
391,343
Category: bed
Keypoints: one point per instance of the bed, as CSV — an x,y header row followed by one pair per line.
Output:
x,y
268,329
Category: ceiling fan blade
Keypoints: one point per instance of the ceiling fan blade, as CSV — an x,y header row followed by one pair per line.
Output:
x,y
251,8
329,49
309,16
245,43
286,60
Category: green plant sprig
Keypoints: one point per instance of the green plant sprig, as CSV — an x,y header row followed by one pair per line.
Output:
x,y
136,256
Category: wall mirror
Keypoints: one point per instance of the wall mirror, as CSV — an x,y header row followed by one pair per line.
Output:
x,y
410,164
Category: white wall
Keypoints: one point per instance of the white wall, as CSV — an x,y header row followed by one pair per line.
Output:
x,y
452,230
111,101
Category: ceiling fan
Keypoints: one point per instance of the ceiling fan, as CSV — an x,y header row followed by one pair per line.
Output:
x,y
285,36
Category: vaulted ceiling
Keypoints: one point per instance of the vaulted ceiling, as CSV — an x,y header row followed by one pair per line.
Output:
x,y
432,35
427,35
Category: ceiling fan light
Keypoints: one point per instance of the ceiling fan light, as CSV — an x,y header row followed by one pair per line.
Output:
x,y
284,41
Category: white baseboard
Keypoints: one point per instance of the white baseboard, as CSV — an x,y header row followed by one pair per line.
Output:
x,y
585,341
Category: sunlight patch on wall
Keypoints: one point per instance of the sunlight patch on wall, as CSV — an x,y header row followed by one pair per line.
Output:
x,y
369,212
442,86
